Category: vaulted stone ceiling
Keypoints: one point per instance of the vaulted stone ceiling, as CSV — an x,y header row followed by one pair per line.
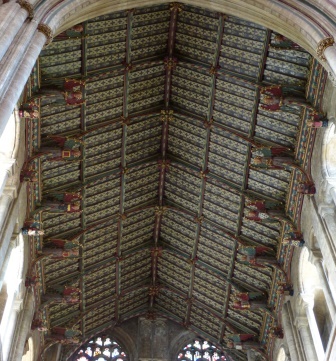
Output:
x,y
172,111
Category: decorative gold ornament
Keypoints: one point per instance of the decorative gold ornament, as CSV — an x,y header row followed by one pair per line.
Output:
x,y
199,220
123,216
128,67
170,63
164,163
190,300
203,173
125,120
46,30
28,7
322,46
153,291
192,261
159,211
167,115
214,70
208,123
124,170
176,6
156,252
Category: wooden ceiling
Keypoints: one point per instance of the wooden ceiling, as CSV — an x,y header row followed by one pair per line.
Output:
x,y
172,106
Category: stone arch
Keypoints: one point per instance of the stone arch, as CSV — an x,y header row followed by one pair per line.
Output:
x,y
179,341
328,156
308,278
328,165
312,303
119,335
282,355
70,12
28,353
281,350
11,294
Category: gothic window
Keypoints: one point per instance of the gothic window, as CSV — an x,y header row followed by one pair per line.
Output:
x,y
282,355
314,301
200,350
11,296
101,348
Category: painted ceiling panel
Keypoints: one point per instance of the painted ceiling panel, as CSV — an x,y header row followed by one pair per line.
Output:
x,y
172,110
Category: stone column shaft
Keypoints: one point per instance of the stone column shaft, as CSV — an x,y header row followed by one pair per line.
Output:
x,y
5,201
306,338
11,246
325,287
308,304
289,334
12,17
18,82
6,170
23,328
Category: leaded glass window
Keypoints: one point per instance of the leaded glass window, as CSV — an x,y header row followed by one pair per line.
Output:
x,y
101,348
200,350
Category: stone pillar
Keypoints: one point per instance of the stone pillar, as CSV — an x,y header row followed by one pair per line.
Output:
x,y
6,170
302,324
308,304
289,334
328,216
316,259
3,301
12,17
23,327
11,246
53,352
5,202
160,340
16,82
153,342
330,56
145,339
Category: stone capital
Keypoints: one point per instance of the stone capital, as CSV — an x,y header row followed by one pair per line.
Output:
x,y
10,191
315,257
28,7
14,242
325,209
7,165
323,45
307,300
17,305
301,322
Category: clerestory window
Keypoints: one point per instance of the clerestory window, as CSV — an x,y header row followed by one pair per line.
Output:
x,y
101,348
201,350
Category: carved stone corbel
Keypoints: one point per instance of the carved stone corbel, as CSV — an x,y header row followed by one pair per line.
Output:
x,y
28,7
323,45
46,30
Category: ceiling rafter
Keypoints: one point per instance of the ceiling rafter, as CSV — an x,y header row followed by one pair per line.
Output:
x,y
248,159
204,166
123,165
83,165
166,117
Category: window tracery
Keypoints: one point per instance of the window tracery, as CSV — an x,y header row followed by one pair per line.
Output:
x,y
201,350
101,348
